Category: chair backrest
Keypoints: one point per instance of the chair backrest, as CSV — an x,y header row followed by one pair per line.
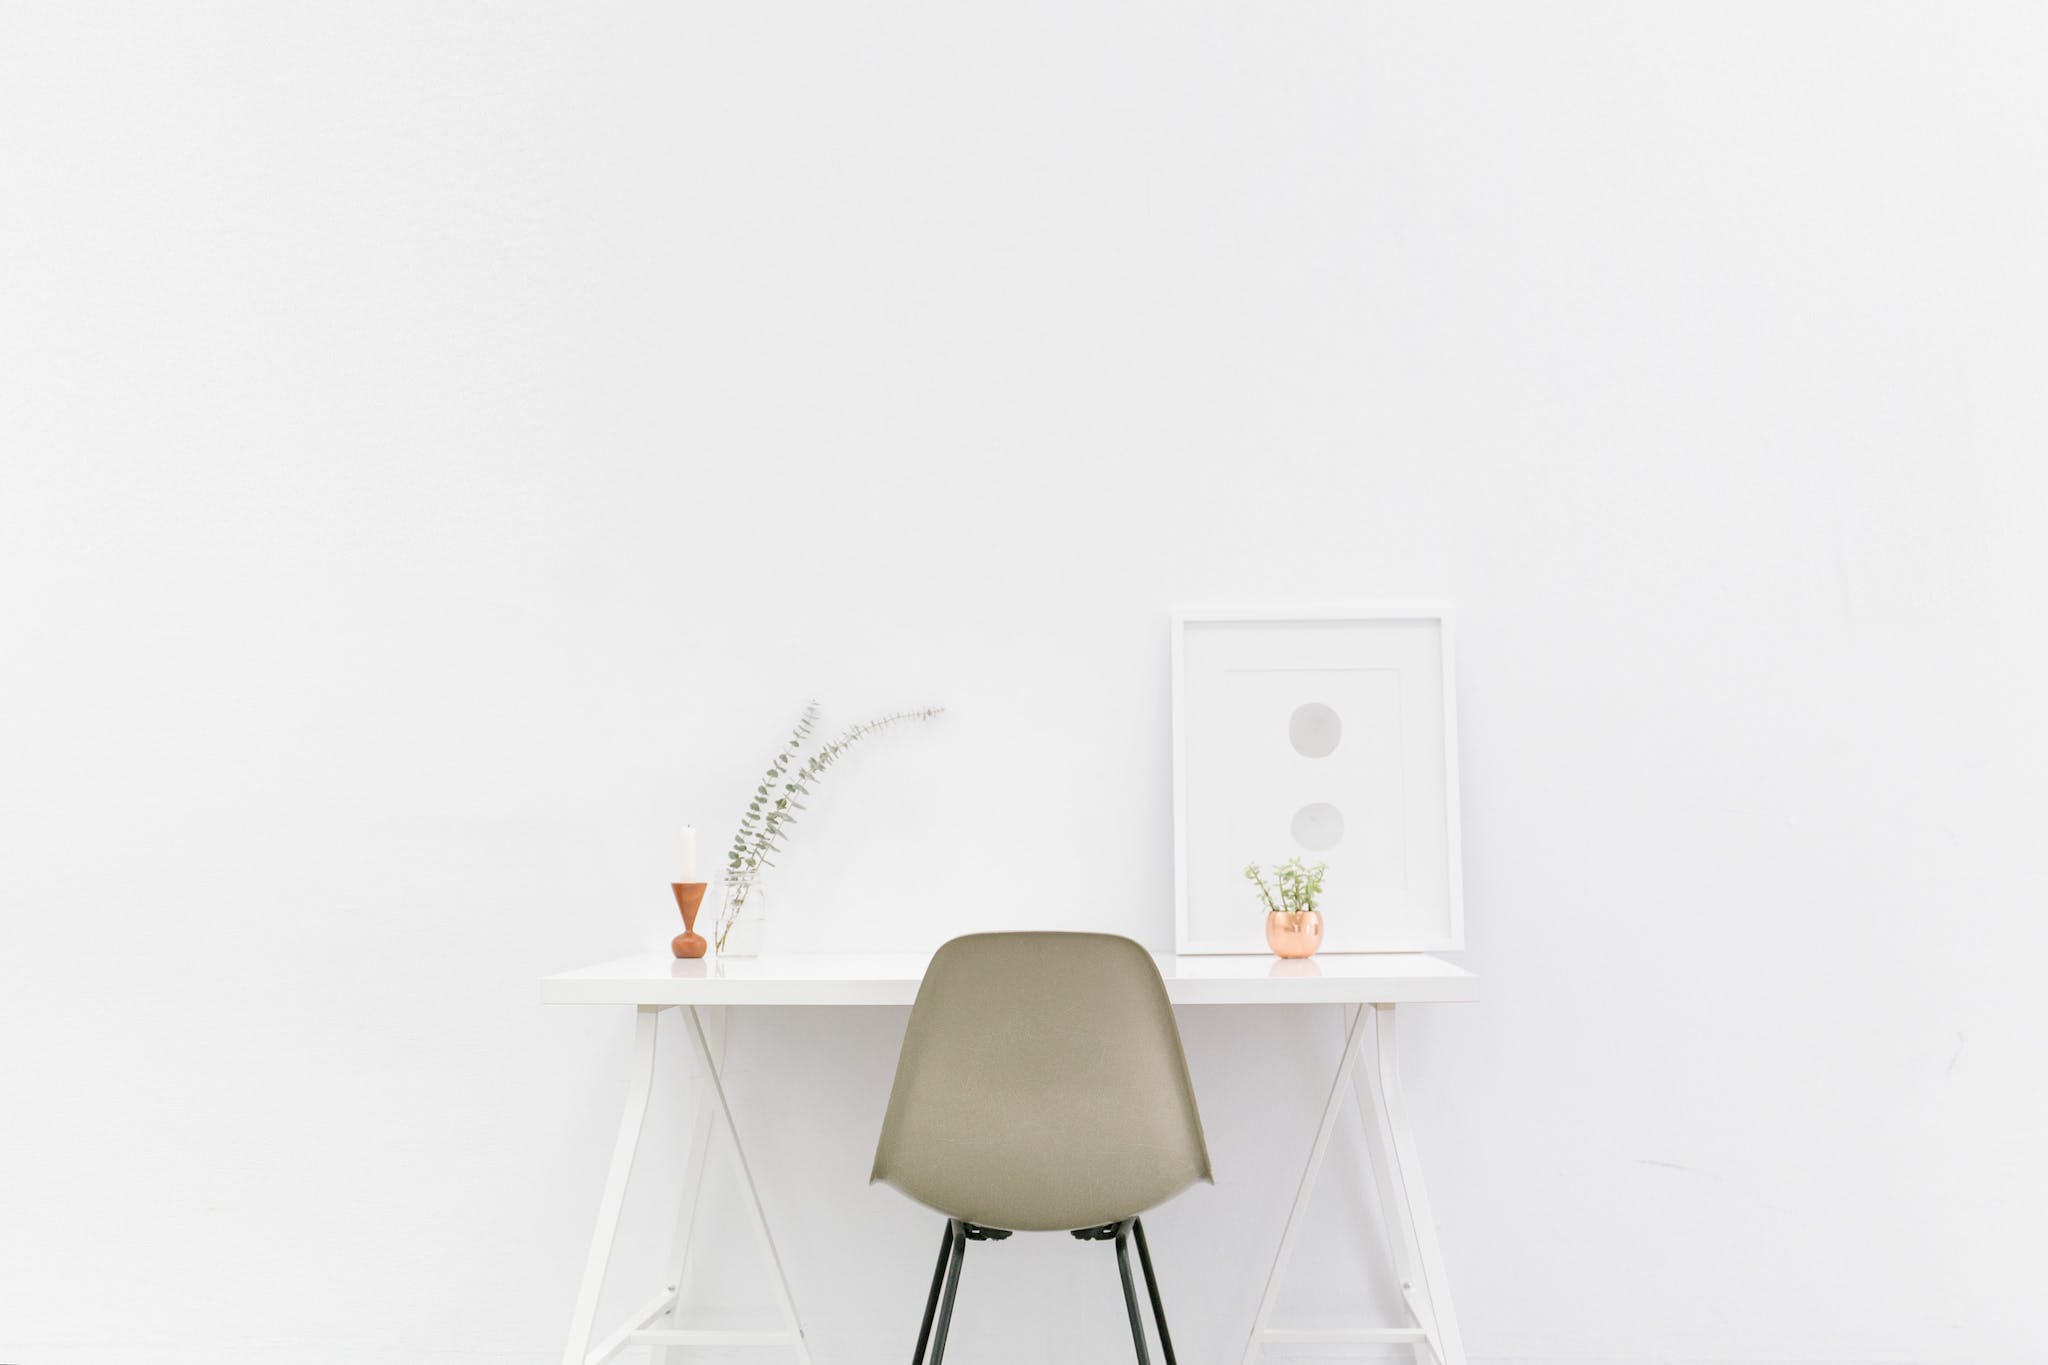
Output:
x,y
1042,1086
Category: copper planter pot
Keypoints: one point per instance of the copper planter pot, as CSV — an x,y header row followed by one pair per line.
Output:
x,y
1294,933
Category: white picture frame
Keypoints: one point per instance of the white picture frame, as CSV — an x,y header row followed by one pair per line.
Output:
x,y
1263,699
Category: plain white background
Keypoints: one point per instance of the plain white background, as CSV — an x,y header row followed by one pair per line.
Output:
x,y
445,444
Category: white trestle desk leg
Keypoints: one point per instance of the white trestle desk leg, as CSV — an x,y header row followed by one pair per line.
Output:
x,y
1404,1207
680,1265
722,1112
1308,1183
1407,1175
638,1085
1393,1207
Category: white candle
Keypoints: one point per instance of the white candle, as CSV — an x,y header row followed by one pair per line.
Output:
x,y
689,853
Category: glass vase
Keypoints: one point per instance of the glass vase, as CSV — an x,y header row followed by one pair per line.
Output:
x,y
742,923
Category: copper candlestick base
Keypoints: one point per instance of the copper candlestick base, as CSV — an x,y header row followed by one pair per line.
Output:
x,y
689,896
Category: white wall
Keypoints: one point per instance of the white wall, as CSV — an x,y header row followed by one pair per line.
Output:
x,y
444,445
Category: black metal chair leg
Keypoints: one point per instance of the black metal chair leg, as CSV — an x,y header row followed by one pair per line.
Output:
x,y
952,1287
1152,1288
1123,1265
931,1302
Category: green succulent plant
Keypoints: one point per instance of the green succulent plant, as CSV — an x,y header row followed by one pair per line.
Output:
x,y
1299,886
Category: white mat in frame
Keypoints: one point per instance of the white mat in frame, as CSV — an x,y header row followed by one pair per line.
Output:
x,y
1328,733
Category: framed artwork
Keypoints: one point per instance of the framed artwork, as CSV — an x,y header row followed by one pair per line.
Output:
x,y
1327,734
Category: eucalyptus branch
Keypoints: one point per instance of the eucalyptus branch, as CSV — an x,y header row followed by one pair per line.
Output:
x,y
750,834
783,811
764,828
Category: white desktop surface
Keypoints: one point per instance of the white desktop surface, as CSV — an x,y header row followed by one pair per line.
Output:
x,y
657,978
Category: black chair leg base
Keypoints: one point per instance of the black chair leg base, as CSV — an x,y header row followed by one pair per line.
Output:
x,y
1152,1288
958,1231
1123,1266
938,1304
931,1302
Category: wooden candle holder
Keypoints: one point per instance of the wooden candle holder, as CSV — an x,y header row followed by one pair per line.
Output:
x,y
689,899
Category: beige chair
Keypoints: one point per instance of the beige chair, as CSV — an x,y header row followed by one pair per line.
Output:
x,y
1041,1088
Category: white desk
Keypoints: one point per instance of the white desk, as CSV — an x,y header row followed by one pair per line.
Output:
x,y
1370,986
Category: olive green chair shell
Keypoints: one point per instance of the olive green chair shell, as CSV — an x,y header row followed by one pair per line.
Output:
x,y
1042,1086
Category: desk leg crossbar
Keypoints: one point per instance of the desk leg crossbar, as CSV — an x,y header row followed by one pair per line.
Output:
x,y
1404,1205
712,1108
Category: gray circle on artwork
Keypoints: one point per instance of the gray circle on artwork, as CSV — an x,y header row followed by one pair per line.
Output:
x,y
1314,730
1318,827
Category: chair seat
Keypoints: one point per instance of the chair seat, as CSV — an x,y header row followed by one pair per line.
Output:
x,y
1041,1196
